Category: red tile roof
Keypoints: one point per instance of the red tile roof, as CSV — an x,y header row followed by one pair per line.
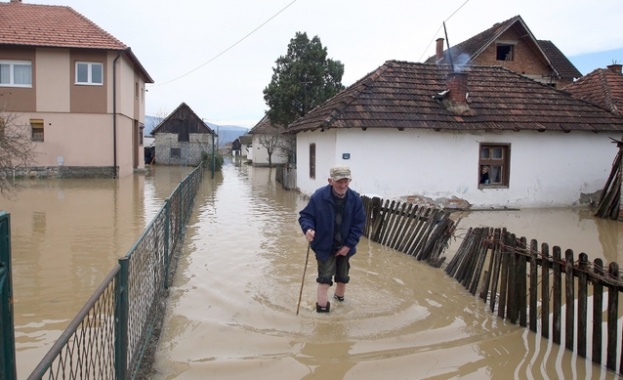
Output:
x,y
56,26
603,87
407,95
264,126
53,26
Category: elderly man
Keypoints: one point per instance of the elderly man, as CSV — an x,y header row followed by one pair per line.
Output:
x,y
333,223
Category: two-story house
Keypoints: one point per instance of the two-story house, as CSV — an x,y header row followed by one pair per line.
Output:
x,y
79,90
512,45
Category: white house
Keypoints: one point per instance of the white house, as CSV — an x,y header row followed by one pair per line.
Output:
x,y
414,129
267,137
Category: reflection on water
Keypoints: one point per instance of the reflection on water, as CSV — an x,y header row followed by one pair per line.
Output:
x,y
231,311
66,236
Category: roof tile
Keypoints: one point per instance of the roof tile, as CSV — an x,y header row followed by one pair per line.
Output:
x,y
402,95
52,26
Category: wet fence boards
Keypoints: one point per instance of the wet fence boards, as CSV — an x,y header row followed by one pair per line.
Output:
x,y
422,232
521,282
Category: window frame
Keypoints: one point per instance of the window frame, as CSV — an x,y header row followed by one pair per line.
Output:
x,y
37,131
510,55
312,160
175,153
89,79
499,168
12,64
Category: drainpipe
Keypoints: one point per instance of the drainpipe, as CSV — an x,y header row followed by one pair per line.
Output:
x,y
114,114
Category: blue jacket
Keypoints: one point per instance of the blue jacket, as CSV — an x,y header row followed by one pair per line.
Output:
x,y
319,215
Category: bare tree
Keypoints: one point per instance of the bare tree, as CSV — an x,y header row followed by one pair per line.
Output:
x,y
16,150
271,141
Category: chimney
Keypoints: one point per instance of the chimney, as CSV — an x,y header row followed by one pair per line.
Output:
x,y
439,50
615,68
457,87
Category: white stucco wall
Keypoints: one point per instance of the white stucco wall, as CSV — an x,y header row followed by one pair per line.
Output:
x,y
546,169
260,154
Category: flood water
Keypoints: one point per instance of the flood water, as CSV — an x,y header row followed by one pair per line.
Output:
x,y
232,308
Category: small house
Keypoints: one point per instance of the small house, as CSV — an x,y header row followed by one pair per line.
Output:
x,y
424,130
182,138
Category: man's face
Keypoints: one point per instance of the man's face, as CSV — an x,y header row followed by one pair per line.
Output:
x,y
340,186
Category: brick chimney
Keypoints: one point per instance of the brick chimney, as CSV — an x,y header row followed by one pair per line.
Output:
x,y
457,85
615,68
456,97
439,49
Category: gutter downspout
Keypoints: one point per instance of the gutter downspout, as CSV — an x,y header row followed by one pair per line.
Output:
x,y
114,115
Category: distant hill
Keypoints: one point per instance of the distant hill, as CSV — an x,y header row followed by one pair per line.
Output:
x,y
226,133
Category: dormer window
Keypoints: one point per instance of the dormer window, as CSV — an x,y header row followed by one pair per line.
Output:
x,y
504,52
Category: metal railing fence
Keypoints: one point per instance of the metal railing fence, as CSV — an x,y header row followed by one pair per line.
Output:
x,y
109,337
7,332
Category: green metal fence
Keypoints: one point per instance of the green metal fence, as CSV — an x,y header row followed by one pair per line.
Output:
x,y
111,334
7,334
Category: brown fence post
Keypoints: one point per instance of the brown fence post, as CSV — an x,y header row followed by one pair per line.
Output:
x,y
545,299
533,283
569,300
598,299
582,303
613,306
506,252
557,266
522,298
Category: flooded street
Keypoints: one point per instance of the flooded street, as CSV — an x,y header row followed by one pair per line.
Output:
x,y
232,307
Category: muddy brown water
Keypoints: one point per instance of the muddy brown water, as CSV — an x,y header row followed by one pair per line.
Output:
x,y
232,308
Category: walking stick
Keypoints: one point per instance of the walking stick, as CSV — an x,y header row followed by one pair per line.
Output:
x,y
298,305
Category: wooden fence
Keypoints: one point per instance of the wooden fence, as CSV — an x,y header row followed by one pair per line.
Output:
x,y
286,176
524,284
422,232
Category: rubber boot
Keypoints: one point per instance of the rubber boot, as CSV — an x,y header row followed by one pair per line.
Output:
x,y
323,309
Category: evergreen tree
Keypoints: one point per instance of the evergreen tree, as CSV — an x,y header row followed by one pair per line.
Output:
x,y
302,79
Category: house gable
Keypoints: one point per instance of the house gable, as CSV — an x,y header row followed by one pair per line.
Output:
x,y
183,121
511,44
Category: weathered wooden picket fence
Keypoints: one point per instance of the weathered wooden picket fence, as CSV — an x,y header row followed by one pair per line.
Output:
x,y
524,284
422,232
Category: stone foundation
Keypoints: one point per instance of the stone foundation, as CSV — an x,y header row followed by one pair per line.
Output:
x,y
65,172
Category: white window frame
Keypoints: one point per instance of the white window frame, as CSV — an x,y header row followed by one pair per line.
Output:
x,y
11,79
89,67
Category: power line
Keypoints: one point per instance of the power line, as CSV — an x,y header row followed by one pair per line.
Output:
x,y
437,31
230,47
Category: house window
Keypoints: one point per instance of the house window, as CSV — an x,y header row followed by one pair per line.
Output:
x,y
494,165
504,52
15,74
36,126
312,160
176,152
89,73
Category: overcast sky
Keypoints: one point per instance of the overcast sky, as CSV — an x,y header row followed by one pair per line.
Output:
x,y
217,55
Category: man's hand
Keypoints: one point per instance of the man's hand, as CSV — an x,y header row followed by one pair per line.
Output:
x,y
309,235
342,251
